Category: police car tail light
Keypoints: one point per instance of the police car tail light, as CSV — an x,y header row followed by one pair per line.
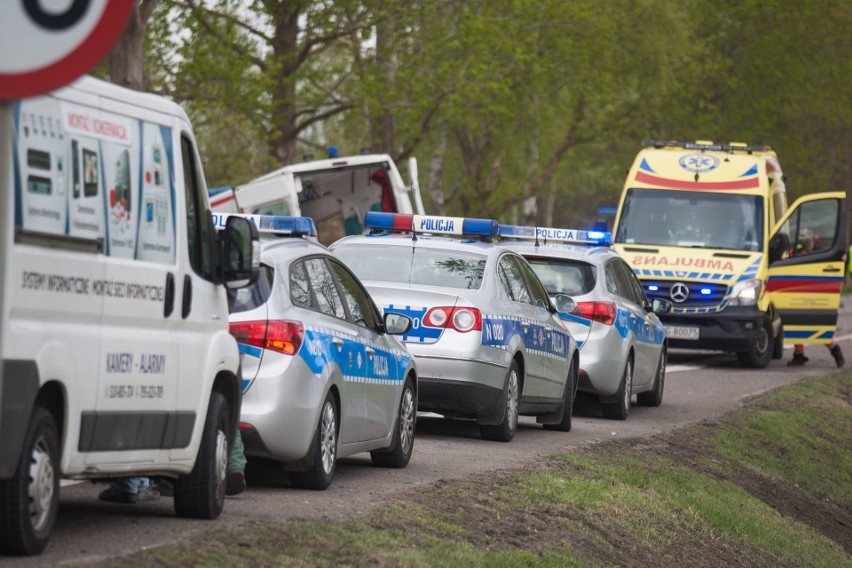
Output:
x,y
284,336
459,319
281,336
603,312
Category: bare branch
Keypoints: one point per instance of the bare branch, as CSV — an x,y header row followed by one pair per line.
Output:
x,y
210,28
222,15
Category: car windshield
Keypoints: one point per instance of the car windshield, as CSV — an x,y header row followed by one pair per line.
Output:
x,y
560,276
691,219
414,265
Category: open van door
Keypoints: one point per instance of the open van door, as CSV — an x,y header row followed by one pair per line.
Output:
x,y
807,253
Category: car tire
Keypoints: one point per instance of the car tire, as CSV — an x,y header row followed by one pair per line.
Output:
x,y
321,472
621,408
26,522
505,431
759,357
403,432
778,345
654,397
201,493
564,425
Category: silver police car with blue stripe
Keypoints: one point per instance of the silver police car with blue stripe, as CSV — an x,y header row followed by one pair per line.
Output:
x,y
322,376
487,340
622,341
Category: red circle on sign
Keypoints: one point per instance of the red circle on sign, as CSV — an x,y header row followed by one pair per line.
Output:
x,y
61,72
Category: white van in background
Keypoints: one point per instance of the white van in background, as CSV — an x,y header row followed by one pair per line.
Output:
x,y
115,357
336,193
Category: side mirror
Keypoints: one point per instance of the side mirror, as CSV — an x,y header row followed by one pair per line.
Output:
x,y
241,252
564,304
778,245
660,306
397,324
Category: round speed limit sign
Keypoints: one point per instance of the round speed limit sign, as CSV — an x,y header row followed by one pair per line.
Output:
x,y
45,44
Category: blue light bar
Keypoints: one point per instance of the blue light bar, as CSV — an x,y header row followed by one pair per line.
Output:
x,y
435,224
551,234
275,224
653,287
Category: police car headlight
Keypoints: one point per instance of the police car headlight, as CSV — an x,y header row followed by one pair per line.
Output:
x,y
746,293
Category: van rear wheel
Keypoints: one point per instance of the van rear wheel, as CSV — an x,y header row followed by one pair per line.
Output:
x,y
201,494
29,502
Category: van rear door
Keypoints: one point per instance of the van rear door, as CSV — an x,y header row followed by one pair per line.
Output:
x,y
807,253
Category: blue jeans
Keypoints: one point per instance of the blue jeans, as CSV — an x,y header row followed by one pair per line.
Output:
x,y
130,484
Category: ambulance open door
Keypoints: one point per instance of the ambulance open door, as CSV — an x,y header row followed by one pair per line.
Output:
x,y
807,252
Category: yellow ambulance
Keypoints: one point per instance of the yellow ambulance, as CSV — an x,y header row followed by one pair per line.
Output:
x,y
707,227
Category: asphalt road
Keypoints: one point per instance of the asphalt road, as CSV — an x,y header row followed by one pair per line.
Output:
x,y
699,385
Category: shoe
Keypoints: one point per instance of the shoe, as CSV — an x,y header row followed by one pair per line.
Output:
x,y
837,353
236,483
797,361
114,495
164,486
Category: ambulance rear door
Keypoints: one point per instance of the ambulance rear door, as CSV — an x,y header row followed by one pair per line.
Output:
x,y
807,251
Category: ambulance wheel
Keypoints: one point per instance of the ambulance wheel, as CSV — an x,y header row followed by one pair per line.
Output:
x,y
621,408
564,425
403,433
201,493
29,502
654,397
319,476
759,357
778,348
505,431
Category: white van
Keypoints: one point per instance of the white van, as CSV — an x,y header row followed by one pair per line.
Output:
x,y
336,193
116,357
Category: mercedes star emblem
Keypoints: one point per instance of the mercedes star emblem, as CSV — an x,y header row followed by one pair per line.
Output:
x,y
679,292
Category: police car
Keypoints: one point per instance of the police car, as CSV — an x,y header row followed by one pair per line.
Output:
x,y
622,341
486,337
323,378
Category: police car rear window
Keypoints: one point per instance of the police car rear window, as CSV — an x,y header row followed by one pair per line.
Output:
x,y
254,296
430,267
560,276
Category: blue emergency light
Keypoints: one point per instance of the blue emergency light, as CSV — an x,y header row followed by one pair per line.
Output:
x,y
550,234
434,224
276,224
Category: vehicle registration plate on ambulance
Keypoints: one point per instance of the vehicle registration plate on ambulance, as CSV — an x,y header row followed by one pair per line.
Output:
x,y
682,332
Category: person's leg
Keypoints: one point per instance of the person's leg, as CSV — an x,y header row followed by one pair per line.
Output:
x,y
129,490
837,353
799,358
236,467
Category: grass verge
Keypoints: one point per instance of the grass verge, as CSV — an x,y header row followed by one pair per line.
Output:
x,y
767,485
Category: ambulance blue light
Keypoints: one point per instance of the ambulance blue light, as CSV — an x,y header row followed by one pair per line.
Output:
x,y
653,288
706,291
550,234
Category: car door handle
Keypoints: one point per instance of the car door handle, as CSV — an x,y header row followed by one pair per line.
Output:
x,y
337,341
169,300
832,269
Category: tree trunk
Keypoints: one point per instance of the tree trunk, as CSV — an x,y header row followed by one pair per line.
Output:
x,y
127,58
436,170
286,51
384,125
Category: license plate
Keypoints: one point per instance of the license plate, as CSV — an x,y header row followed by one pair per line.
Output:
x,y
682,332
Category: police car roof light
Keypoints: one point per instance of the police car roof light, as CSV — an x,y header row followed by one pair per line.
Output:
x,y
550,234
462,226
274,224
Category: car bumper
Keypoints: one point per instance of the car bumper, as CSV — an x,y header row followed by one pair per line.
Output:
x,y
282,407
602,360
733,329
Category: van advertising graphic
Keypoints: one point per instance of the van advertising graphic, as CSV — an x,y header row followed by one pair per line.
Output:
x,y
87,173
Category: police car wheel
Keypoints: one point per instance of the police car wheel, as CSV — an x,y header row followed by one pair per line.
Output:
x,y
505,431
620,409
201,493
567,401
761,355
321,472
403,433
29,502
654,397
